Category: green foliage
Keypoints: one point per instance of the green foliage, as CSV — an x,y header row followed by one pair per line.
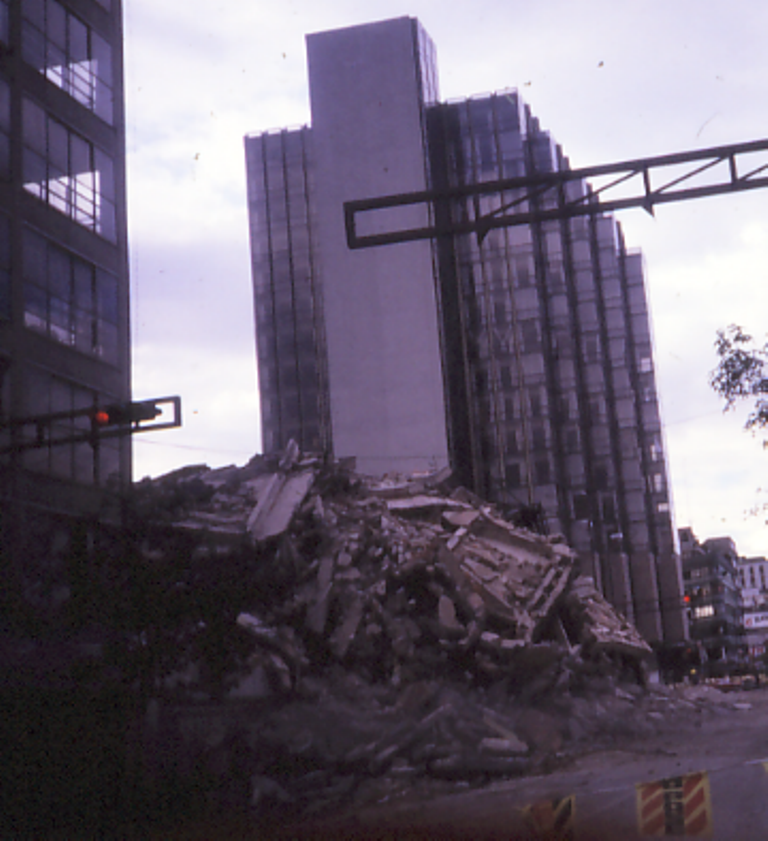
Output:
x,y
742,373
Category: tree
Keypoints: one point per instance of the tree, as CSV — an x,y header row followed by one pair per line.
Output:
x,y
742,373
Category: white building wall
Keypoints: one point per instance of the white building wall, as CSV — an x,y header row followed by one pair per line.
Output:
x,y
386,382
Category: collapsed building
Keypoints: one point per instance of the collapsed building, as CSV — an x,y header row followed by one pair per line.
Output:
x,y
397,629
285,637
394,576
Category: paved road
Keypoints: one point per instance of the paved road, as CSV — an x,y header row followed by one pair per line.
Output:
x,y
711,782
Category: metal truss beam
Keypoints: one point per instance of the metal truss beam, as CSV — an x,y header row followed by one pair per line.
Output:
x,y
644,182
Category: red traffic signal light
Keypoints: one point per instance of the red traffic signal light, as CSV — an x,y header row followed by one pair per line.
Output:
x,y
125,413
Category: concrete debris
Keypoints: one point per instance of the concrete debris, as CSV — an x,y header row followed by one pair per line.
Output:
x,y
398,626
277,504
601,627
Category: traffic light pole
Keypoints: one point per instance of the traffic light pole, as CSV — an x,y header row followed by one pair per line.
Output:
x,y
111,421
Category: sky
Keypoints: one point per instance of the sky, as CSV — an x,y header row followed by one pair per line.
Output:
x,y
611,81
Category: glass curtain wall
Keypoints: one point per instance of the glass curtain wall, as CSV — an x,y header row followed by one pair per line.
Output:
x,y
289,330
555,363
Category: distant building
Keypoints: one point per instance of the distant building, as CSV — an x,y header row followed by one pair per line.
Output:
x,y
525,361
753,581
64,341
713,594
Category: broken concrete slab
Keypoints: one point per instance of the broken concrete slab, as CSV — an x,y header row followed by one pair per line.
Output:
x,y
278,503
602,627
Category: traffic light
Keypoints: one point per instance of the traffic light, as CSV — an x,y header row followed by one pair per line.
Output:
x,y
120,414
113,421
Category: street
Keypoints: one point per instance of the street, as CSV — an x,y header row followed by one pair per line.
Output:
x,y
705,782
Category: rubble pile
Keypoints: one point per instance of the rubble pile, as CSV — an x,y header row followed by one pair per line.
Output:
x,y
398,628
397,579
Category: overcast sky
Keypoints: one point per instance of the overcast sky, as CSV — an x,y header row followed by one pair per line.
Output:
x,y
610,80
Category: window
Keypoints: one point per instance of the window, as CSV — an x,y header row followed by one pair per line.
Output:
x,y
704,611
67,172
531,341
601,476
513,475
523,271
542,472
592,348
69,54
68,299
609,509
4,28
5,127
74,460
5,269
580,507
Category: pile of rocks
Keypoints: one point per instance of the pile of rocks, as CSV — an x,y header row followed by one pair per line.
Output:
x,y
396,579
397,629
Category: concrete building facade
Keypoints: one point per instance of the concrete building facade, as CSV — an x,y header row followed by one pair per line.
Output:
x,y
64,340
524,360
713,595
753,582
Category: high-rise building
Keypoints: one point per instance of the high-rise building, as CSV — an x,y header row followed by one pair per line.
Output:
x,y
64,341
523,358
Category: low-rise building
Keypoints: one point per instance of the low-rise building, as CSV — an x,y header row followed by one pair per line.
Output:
x,y
753,580
713,595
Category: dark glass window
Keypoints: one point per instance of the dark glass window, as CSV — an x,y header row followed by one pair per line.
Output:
x,y
580,507
73,460
67,172
513,475
68,299
5,268
601,477
4,29
539,439
69,54
5,128
530,336
542,472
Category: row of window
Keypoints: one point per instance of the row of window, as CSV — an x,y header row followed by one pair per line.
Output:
x,y
60,167
749,577
68,172
68,299
79,462
69,54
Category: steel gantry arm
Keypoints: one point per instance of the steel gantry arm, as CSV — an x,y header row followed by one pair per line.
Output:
x,y
115,420
644,182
